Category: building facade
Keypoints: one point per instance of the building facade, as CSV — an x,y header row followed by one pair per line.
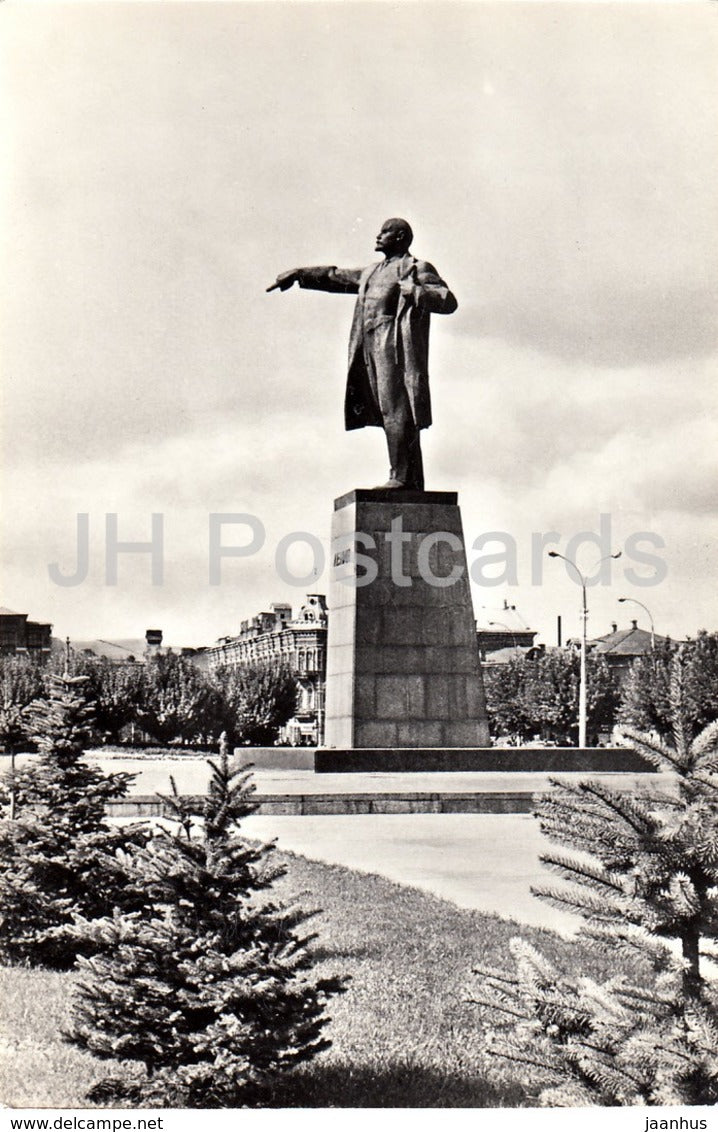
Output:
x,y
18,635
499,646
276,636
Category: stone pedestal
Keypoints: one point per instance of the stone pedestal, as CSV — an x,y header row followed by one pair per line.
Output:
x,y
402,658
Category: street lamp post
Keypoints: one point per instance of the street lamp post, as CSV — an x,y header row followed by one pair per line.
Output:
x,y
648,614
582,713
320,711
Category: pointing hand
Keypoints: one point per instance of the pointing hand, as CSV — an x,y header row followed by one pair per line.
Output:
x,y
284,281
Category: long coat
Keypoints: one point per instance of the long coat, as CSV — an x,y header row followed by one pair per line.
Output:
x,y
411,334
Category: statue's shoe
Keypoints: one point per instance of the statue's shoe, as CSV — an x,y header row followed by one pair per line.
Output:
x,y
390,485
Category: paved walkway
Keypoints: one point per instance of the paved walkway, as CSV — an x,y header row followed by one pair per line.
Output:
x,y
482,861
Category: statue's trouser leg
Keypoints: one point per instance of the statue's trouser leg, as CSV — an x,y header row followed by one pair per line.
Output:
x,y
416,463
402,439
387,381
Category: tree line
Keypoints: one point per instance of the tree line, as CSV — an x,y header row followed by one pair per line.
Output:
x,y
529,699
168,700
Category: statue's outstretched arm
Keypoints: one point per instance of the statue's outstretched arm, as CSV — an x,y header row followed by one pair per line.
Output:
x,y
344,280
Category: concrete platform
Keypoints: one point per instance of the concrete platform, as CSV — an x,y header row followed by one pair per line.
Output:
x,y
302,793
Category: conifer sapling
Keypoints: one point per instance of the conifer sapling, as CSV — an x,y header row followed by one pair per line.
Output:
x,y
210,990
57,853
646,883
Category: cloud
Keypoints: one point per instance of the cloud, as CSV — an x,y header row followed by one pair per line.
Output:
x,y
610,327
511,415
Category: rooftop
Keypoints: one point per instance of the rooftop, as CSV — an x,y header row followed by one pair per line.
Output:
x,y
627,642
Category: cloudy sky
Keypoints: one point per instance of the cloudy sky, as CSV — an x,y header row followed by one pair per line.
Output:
x,y
559,165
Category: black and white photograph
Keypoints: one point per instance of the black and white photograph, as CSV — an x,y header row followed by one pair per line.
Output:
x,y
358,619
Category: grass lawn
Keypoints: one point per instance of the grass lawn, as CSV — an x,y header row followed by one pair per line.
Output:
x,y
402,1035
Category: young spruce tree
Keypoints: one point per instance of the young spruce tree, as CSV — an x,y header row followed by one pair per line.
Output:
x,y
57,853
209,991
647,885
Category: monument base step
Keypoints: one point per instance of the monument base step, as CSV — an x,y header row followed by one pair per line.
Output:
x,y
390,760
319,805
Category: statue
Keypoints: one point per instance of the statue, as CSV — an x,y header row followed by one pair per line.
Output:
x,y
388,379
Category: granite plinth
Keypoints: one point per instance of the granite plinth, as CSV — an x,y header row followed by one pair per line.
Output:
x,y
393,495
403,665
524,760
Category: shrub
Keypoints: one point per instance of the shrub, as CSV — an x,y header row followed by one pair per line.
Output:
x,y
20,684
257,701
57,854
646,702
179,703
539,696
646,883
209,991
118,692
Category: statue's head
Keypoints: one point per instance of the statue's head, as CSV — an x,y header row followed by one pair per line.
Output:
x,y
395,236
